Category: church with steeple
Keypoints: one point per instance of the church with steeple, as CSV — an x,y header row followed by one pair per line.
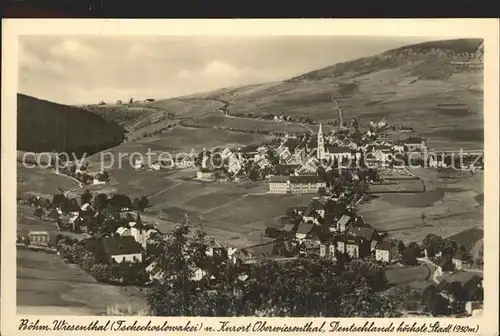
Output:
x,y
329,151
320,150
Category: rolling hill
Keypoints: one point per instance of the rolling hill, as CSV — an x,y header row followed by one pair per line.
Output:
x,y
435,87
44,126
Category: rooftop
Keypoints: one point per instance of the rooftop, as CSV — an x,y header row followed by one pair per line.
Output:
x,y
364,232
414,140
305,228
121,245
385,245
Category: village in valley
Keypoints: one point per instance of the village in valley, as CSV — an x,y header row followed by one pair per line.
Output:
x,y
320,222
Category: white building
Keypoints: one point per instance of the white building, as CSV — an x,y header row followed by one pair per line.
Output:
x,y
328,250
122,249
123,231
155,166
97,181
279,185
205,174
386,251
295,184
138,164
416,144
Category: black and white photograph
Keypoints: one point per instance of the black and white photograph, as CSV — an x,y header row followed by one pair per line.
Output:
x,y
328,176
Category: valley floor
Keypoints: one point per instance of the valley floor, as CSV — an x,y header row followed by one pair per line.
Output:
x,y
46,285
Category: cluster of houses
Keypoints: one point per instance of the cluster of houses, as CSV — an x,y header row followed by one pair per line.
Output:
x,y
181,162
301,155
344,149
82,174
470,293
328,227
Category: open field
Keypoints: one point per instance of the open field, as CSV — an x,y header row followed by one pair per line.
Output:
x,y
41,182
45,282
257,124
231,212
181,140
184,139
383,93
449,207
27,222
398,186
226,210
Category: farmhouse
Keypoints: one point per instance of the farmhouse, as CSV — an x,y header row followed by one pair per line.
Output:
x,y
123,231
234,164
205,174
122,249
461,260
368,233
138,164
327,250
343,223
39,237
75,222
153,272
303,230
386,251
100,178
416,144
355,247
155,166
87,208
216,250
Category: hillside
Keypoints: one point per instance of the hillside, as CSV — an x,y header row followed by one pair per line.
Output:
x,y
47,126
435,87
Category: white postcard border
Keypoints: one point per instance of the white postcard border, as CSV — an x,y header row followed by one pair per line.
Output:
x,y
433,28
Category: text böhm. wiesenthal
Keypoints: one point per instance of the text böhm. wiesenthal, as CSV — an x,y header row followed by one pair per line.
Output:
x,y
109,325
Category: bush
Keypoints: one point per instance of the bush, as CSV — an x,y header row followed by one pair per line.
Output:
x,y
102,272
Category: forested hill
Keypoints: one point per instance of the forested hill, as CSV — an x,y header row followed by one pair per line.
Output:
x,y
44,126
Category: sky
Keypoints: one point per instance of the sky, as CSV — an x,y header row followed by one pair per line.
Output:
x,y
85,70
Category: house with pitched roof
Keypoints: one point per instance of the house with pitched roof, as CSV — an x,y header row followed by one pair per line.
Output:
x,y
123,231
343,223
303,230
368,233
338,153
41,238
354,246
461,260
328,249
386,251
415,144
122,249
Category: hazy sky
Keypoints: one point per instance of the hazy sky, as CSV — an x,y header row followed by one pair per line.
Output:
x,y
81,70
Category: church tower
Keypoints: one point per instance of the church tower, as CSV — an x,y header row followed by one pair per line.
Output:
x,y
320,151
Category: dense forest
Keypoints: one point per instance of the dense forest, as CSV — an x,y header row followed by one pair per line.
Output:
x,y
44,126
